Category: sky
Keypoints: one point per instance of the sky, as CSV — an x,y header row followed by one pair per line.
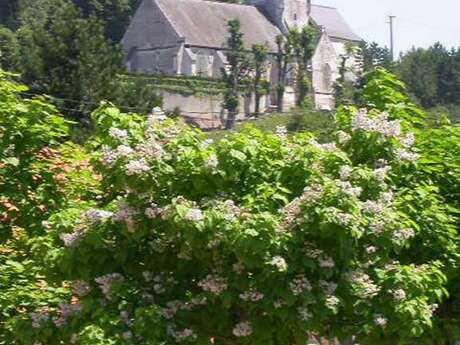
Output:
x,y
418,23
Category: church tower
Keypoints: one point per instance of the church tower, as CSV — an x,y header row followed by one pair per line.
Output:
x,y
286,14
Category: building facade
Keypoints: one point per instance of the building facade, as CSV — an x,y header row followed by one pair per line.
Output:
x,y
187,37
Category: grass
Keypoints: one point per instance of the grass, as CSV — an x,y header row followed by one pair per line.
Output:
x,y
297,120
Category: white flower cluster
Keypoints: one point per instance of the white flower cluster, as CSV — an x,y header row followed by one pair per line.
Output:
x,y
194,215
379,124
150,149
153,211
96,216
204,145
329,147
399,294
281,132
39,317
172,307
81,288
211,163
242,329
311,195
119,134
105,282
110,156
328,287
334,215
136,167
126,213
312,253
238,268
251,296
402,235
372,206
348,189
381,173
380,321
345,172
403,154
363,284
304,314
64,312
299,285
213,284
181,336
279,263
332,301
326,262
231,210
71,239
343,138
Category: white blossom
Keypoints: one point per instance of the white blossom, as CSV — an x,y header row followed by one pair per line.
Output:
x,y
279,263
98,215
242,329
343,137
304,314
300,284
407,141
105,282
399,294
119,134
251,296
194,215
405,155
212,162
281,132
214,284
136,167
379,320
345,172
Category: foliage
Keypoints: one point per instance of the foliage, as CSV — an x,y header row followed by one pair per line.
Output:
x,y
259,55
9,49
236,72
373,56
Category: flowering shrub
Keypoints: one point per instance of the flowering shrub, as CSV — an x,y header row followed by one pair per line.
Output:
x,y
260,239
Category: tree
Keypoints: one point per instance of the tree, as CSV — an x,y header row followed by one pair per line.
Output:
x,y
238,70
259,52
284,57
304,48
9,47
373,56
67,56
345,88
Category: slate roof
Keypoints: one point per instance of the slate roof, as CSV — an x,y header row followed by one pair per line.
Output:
x,y
335,25
204,23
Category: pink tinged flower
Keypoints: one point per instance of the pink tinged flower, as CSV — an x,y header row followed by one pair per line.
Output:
x,y
96,216
242,329
194,215
70,240
39,317
105,282
213,284
381,173
64,312
136,167
372,207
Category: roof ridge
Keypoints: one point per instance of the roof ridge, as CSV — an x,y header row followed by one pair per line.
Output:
x,y
324,6
220,3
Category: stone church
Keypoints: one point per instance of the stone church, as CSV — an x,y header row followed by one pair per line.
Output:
x,y
187,37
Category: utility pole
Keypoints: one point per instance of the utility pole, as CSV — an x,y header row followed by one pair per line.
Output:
x,y
392,46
